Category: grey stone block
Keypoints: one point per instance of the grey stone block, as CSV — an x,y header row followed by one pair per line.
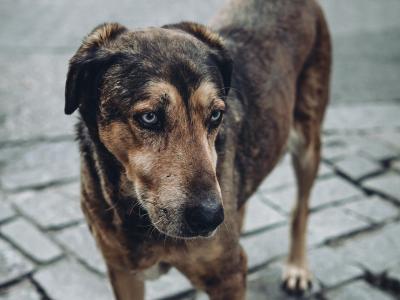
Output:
x,y
66,280
331,268
332,223
349,20
6,212
80,242
266,284
12,264
357,167
52,208
167,285
41,164
378,150
259,215
33,93
20,291
325,170
373,209
31,241
395,165
375,251
331,190
394,273
336,147
390,137
358,290
281,176
369,145
350,118
387,184
362,85
263,247
325,192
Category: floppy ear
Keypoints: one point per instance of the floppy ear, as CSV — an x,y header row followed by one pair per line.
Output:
x,y
88,64
212,39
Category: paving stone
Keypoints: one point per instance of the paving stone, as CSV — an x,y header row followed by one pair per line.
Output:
x,y
331,268
326,191
167,285
263,247
66,280
375,251
374,209
31,241
357,167
35,109
21,291
12,264
336,149
332,223
395,165
281,176
259,215
387,184
348,21
391,137
52,208
6,212
377,150
359,290
266,284
41,164
325,170
78,240
394,273
353,117
372,146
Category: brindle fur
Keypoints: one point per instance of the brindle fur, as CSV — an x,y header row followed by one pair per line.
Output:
x,y
281,57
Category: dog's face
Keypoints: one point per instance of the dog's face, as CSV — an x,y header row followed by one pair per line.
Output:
x,y
157,96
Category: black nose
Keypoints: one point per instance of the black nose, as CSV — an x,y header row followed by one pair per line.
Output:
x,y
205,216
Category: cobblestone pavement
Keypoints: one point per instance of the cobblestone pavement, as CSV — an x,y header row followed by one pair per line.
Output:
x,y
46,251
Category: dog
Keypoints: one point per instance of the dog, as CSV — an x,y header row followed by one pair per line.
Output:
x,y
178,127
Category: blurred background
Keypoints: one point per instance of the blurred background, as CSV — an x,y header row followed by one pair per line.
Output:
x,y
46,251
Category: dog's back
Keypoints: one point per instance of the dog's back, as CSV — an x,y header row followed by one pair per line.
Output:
x,y
272,43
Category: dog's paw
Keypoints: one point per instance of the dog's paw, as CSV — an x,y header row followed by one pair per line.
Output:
x,y
296,280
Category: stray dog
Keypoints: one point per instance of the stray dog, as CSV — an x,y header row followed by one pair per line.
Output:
x,y
179,126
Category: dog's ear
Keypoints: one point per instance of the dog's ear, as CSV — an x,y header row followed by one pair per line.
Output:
x,y
213,40
88,63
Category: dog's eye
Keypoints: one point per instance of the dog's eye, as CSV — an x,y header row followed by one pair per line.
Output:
x,y
216,116
149,120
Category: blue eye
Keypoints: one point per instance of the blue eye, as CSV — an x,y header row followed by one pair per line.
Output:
x,y
149,118
216,116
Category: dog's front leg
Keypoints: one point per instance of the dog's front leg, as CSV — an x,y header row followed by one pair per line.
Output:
x,y
126,285
222,277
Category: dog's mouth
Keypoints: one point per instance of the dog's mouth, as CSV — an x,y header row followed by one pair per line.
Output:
x,y
184,232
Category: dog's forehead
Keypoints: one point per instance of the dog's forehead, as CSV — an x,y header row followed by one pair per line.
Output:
x,y
201,95
152,40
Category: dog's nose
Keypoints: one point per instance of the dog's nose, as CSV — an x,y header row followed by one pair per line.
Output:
x,y
205,217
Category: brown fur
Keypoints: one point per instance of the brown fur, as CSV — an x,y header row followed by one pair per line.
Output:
x,y
138,184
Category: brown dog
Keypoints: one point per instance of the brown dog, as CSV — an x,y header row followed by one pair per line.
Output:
x,y
168,155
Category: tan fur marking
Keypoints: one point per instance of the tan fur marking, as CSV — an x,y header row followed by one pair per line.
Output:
x,y
205,94
157,90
